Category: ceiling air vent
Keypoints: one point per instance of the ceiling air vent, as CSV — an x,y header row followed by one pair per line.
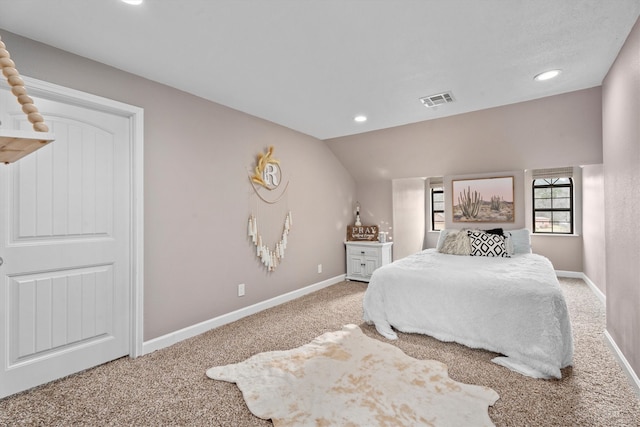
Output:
x,y
438,99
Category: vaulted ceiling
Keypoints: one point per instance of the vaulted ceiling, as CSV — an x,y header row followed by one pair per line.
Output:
x,y
313,65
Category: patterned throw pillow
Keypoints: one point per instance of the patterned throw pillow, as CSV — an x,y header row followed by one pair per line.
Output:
x,y
485,244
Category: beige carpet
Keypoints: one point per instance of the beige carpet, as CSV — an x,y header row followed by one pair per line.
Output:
x,y
169,387
344,378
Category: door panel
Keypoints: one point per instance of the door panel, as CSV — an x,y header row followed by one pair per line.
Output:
x,y
356,266
370,265
65,239
66,190
58,310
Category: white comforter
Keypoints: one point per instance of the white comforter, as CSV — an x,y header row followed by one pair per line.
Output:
x,y
512,306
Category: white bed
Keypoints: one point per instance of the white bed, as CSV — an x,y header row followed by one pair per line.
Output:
x,y
512,306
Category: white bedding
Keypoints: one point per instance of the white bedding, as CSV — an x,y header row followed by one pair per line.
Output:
x,y
512,306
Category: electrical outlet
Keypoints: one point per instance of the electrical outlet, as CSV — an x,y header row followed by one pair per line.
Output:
x,y
241,290
319,268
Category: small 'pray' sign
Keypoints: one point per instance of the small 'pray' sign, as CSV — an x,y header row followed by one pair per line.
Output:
x,y
367,233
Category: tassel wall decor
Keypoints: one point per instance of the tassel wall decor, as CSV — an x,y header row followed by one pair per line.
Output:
x,y
270,258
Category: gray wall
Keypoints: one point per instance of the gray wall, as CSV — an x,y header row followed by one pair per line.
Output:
x,y
557,131
621,146
198,197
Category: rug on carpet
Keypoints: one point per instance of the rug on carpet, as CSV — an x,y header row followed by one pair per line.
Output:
x,y
346,378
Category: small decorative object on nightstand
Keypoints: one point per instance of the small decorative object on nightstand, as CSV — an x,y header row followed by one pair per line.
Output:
x,y
364,257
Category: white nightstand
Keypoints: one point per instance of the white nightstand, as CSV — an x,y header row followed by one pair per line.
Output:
x,y
364,257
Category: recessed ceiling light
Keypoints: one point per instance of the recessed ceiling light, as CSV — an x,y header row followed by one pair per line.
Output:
x,y
547,75
360,118
133,2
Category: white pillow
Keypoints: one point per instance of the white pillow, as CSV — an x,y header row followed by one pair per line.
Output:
x,y
521,241
508,241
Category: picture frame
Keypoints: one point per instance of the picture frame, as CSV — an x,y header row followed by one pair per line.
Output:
x,y
483,199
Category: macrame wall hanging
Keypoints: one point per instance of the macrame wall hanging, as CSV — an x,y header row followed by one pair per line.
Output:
x,y
15,144
267,177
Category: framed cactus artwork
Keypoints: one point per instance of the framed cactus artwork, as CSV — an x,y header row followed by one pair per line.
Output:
x,y
483,200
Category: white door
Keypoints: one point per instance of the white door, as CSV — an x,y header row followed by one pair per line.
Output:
x,y
65,243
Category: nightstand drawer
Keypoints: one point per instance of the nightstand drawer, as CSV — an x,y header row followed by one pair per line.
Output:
x,y
360,250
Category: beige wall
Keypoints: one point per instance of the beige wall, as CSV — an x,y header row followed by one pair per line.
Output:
x,y
198,198
557,131
375,203
593,229
621,147
565,252
408,202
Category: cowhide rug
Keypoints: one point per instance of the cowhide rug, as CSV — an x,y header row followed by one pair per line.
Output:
x,y
345,378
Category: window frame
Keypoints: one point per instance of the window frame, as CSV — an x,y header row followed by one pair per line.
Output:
x,y
551,184
436,190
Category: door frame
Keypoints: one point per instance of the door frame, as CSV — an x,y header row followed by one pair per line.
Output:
x,y
135,115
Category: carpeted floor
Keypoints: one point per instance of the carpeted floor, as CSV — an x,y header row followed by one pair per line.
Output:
x,y
169,387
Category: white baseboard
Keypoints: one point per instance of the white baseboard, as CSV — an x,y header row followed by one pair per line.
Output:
x,y
580,275
601,296
622,361
199,328
624,364
570,274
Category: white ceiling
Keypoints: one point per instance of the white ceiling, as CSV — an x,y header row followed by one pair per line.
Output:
x,y
312,65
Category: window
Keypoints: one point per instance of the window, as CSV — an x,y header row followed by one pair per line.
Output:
x,y
437,208
553,205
